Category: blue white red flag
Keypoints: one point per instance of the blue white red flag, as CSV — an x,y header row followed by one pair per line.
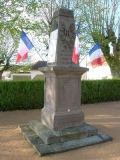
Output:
x,y
24,46
95,55
75,54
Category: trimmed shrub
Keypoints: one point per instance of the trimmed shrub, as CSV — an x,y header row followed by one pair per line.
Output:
x,y
23,95
16,95
94,91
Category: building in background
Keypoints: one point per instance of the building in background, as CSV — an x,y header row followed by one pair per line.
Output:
x,y
6,75
35,73
101,72
32,72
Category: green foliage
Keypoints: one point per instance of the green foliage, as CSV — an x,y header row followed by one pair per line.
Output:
x,y
94,91
101,19
17,95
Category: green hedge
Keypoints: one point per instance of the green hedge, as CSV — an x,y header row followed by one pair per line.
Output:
x,y
94,91
16,95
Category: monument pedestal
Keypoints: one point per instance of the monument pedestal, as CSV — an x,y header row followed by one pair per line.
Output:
x,y
62,97
61,105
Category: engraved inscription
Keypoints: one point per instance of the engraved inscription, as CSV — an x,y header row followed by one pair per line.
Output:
x,y
49,91
65,57
67,93
68,121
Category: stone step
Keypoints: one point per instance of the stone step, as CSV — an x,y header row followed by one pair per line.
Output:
x,y
44,149
50,136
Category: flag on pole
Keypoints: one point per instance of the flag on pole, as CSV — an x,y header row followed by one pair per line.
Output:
x,y
24,46
95,55
75,54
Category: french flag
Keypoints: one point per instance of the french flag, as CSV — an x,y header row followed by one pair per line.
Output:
x,y
75,54
75,51
24,46
95,55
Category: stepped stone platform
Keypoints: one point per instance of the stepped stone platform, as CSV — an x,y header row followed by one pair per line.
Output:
x,y
46,141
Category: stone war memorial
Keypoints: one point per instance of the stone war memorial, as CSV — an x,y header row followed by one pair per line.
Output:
x,y
61,126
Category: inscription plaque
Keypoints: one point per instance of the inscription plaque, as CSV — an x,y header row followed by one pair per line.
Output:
x,y
52,46
68,97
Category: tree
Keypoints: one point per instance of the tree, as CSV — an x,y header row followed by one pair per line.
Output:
x,y
99,18
32,16
11,21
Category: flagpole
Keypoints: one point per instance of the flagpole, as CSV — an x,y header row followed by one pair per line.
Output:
x,y
83,57
39,54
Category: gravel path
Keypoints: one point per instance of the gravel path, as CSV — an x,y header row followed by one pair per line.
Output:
x,y
104,116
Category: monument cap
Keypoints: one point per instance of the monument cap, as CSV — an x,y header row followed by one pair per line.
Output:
x,y
63,12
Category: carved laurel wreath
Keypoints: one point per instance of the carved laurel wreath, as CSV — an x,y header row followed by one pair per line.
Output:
x,y
67,36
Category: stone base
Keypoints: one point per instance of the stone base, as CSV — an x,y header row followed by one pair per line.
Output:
x,y
62,120
46,141
50,136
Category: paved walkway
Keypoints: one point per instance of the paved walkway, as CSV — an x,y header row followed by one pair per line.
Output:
x,y
104,116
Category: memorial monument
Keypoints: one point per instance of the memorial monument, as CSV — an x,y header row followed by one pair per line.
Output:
x,y
61,126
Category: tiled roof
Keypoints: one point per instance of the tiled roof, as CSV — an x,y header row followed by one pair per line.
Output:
x,y
39,64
